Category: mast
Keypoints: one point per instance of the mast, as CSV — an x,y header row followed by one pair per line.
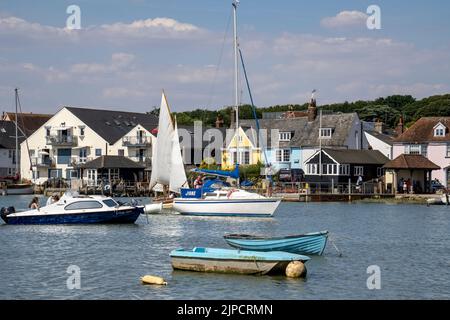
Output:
x,y
17,136
236,79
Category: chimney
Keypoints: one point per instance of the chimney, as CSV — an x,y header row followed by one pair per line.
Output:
x,y
312,110
379,126
219,122
399,129
232,118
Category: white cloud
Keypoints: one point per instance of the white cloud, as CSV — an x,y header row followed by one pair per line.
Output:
x,y
345,19
118,61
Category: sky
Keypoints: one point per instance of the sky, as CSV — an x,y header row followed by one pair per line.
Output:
x,y
128,51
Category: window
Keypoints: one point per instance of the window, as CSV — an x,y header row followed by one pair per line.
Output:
x,y
344,169
380,172
285,136
81,131
73,174
32,153
283,155
83,155
448,150
47,132
440,130
121,152
80,205
110,203
246,157
358,171
326,133
416,149
98,152
64,156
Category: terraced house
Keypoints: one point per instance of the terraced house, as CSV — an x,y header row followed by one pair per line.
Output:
x,y
73,137
430,137
293,137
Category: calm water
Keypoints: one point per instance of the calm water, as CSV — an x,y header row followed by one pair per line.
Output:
x,y
410,243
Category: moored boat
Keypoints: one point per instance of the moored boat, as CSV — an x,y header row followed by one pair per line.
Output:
x,y
233,261
228,202
309,243
75,210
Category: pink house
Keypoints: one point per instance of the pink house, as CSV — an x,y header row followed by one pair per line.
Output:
x,y
430,137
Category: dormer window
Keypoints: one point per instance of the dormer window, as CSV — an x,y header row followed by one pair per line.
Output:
x,y
325,133
285,136
439,130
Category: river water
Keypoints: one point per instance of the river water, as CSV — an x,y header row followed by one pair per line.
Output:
x,y
409,243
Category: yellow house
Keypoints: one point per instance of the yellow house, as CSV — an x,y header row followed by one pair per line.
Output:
x,y
249,153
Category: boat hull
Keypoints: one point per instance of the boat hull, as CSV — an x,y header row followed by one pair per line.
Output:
x,y
230,207
308,244
102,217
233,261
19,191
229,266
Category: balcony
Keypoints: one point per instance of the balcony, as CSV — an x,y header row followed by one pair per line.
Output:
x,y
133,141
76,161
147,161
42,162
56,140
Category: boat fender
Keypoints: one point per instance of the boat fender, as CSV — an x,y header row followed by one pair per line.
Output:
x,y
153,280
153,208
296,269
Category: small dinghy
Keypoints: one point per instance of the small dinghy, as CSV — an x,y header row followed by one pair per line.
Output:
x,y
75,209
234,261
308,243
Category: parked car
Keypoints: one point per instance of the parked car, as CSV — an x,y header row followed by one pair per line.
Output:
x,y
436,186
290,175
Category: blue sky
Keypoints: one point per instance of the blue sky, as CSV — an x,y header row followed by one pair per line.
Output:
x,y
127,51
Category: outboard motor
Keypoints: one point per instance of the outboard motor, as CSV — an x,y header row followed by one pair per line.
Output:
x,y
5,211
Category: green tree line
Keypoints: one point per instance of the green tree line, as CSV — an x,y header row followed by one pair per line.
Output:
x,y
388,110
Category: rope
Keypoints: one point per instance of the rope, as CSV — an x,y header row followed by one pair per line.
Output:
x,y
335,247
213,84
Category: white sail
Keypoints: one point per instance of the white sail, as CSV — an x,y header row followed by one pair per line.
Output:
x,y
162,151
178,175
167,162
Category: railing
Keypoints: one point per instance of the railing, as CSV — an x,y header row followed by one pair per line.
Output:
x,y
56,140
42,162
147,161
330,188
136,141
75,160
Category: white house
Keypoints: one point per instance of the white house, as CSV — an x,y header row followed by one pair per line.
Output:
x,y
74,136
7,149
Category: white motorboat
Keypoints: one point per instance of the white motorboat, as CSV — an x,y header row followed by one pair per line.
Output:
x,y
228,202
75,210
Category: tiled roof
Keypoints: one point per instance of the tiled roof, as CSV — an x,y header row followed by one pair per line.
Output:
x,y
112,162
113,125
423,131
357,156
411,161
29,122
8,135
306,134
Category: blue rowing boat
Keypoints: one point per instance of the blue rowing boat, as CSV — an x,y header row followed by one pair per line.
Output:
x,y
233,261
309,243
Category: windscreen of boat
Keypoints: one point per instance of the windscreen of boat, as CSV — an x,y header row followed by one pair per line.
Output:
x,y
110,203
79,205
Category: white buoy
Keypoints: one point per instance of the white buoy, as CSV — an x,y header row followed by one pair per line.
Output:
x,y
296,269
153,280
153,208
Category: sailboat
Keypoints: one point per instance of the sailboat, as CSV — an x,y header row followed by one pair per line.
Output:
x,y
228,201
168,174
15,186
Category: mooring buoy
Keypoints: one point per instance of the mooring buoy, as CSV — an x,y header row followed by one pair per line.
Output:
x,y
296,269
153,280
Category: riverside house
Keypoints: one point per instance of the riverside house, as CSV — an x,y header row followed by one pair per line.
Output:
x,y
75,136
429,137
293,137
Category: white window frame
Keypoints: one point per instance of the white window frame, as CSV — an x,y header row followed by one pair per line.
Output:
x,y
358,171
283,155
326,133
285,136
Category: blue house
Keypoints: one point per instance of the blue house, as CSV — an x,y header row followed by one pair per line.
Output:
x,y
293,137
